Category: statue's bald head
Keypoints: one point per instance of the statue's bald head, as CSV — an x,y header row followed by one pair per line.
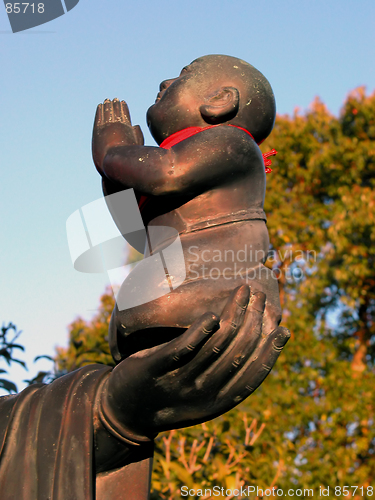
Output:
x,y
214,89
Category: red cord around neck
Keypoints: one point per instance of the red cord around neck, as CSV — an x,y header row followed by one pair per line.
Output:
x,y
181,135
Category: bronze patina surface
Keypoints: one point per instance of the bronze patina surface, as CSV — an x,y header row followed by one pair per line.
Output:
x,y
182,359
209,187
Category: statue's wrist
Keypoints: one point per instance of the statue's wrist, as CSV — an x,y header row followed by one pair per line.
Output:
x,y
116,427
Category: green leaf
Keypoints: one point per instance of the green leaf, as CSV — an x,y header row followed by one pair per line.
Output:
x,y
8,386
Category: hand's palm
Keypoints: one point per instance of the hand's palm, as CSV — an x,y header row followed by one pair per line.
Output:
x,y
112,127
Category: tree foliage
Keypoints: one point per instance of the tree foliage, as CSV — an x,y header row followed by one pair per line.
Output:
x,y
7,347
9,343
88,341
312,422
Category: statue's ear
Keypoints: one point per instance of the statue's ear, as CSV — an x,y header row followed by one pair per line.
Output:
x,y
221,106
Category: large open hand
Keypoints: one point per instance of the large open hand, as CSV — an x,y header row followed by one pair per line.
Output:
x,y
205,372
112,127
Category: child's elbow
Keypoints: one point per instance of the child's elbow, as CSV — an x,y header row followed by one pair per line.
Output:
x,y
168,185
171,179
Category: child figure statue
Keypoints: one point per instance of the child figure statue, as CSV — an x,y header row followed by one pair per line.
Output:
x,y
206,180
90,433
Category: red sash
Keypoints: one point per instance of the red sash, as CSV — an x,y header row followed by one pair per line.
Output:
x,y
185,133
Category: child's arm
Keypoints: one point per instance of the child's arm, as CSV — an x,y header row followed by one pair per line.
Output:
x,y
201,162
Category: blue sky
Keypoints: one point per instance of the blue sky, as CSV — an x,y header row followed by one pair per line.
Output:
x,y
53,76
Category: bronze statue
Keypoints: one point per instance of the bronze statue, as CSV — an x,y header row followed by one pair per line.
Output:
x,y
207,180
90,433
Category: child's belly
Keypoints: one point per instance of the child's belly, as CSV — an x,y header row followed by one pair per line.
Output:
x,y
214,262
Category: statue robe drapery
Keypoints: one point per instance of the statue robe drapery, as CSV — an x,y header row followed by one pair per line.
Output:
x,y
46,445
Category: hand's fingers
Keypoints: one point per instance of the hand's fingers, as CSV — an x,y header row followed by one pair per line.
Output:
x,y
125,114
117,112
177,352
241,349
108,111
257,368
251,330
235,308
138,135
99,115
231,320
